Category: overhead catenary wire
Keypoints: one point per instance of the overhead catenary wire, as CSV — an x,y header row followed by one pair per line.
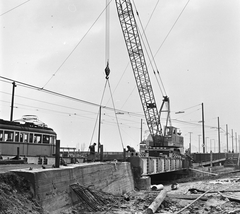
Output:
x,y
7,80
62,95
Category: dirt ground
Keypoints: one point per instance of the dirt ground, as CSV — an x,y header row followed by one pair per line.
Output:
x,y
15,196
223,197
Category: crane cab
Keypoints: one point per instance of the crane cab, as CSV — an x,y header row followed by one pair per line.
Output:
x,y
172,137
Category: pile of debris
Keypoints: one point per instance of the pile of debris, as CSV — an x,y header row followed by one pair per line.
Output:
x,y
208,196
15,196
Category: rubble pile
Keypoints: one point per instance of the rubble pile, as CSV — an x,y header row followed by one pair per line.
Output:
x,y
15,196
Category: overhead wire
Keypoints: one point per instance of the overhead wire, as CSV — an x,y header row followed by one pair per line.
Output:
x,y
68,107
38,109
171,28
63,95
75,47
14,8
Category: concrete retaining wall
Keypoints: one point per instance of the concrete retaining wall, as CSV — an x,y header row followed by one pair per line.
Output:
x,y
52,186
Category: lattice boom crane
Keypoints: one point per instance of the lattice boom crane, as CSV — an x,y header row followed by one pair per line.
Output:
x,y
139,67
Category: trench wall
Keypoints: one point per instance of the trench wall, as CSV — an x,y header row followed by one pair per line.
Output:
x,y
52,186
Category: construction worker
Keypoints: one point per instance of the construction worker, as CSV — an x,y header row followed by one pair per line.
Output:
x,y
92,152
130,149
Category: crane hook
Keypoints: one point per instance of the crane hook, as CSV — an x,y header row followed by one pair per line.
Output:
x,y
107,71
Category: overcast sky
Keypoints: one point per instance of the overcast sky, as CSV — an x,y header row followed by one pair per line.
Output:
x,y
60,45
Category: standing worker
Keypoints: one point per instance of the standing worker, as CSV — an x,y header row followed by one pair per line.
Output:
x,y
92,152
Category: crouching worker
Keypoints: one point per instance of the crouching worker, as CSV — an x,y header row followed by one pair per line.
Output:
x,y
92,152
130,149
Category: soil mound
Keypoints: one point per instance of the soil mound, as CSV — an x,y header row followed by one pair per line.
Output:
x,y
15,195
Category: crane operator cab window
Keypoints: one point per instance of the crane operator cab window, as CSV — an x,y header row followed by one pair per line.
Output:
x,y
170,130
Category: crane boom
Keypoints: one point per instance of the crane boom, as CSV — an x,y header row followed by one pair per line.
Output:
x,y
139,66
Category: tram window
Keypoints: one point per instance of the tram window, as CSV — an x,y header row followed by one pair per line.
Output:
x,y
38,138
46,139
16,136
31,138
8,136
21,137
1,135
25,137
52,141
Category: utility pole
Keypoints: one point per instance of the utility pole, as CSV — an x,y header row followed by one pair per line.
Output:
x,y
206,144
199,147
12,105
232,142
190,144
214,144
227,137
99,128
219,148
203,131
236,141
141,132
239,142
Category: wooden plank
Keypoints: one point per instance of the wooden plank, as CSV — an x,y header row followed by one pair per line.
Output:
x,y
186,197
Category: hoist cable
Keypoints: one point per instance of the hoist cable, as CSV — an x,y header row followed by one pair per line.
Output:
x,y
115,115
75,48
161,87
98,115
150,61
107,70
107,32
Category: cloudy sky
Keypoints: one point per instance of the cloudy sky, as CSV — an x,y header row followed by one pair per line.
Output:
x,y
60,46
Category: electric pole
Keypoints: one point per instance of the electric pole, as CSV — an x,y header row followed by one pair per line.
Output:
x,y
12,104
236,141
227,137
190,144
219,148
199,147
203,131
